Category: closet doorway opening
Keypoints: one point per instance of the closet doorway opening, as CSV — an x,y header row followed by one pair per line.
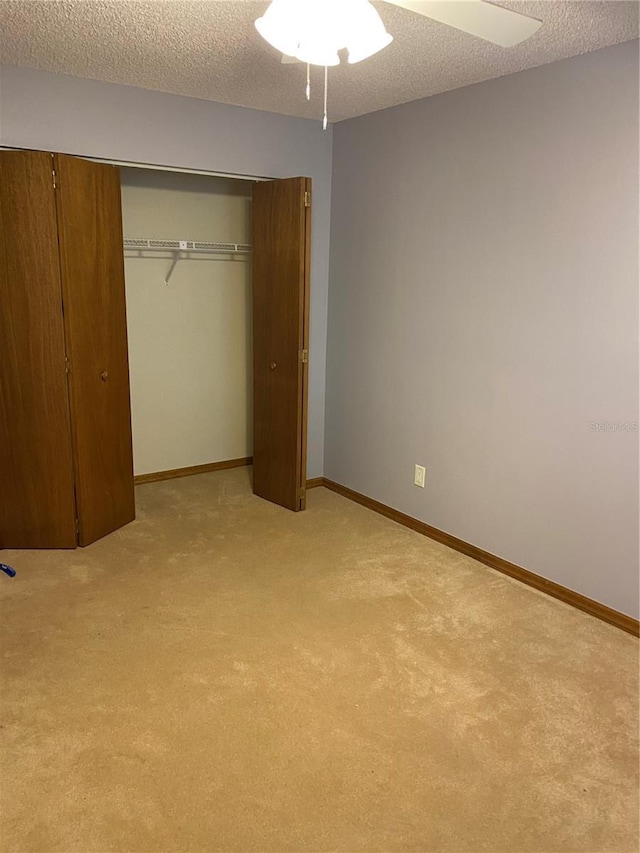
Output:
x,y
189,320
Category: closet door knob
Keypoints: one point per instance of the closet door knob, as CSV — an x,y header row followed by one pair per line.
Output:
x,y
104,375
273,365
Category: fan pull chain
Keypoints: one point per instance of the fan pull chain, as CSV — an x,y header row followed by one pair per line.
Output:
x,y
308,90
326,85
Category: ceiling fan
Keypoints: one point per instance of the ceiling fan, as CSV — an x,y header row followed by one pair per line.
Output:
x,y
313,31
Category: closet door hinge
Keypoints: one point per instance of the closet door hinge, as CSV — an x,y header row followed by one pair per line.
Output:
x,y
77,527
67,366
307,198
304,356
55,179
302,492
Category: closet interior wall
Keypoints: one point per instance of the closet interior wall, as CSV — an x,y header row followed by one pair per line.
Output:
x,y
189,341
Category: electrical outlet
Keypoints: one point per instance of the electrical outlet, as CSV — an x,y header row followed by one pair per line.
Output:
x,y
419,475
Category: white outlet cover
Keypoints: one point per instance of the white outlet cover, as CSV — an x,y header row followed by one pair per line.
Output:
x,y
419,476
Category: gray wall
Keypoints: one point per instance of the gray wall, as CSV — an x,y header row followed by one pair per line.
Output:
x,y
59,113
483,313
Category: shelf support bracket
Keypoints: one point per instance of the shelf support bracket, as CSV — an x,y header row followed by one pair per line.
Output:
x,y
175,260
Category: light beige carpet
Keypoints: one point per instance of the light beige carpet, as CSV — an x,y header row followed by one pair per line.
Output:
x,y
224,674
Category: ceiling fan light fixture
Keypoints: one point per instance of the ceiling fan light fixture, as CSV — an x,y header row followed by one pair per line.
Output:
x,y
315,30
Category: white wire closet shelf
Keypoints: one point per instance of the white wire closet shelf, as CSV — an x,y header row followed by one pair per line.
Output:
x,y
144,244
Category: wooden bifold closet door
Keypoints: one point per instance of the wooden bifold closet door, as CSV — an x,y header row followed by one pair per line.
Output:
x,y
65,422
281,266
37,504
92,269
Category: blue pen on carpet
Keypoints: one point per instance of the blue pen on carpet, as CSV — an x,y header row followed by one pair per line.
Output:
x,y
7,570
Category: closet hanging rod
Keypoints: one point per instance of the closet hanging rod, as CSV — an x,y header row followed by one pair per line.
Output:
x,y
143,244
185,246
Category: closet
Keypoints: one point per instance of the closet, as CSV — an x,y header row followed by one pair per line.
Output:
x,y
65,426
66,454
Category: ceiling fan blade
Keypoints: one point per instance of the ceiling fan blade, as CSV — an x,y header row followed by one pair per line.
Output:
x,y
288,60
489,22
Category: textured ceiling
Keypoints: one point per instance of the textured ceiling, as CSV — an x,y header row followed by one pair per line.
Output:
x,y
210,49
